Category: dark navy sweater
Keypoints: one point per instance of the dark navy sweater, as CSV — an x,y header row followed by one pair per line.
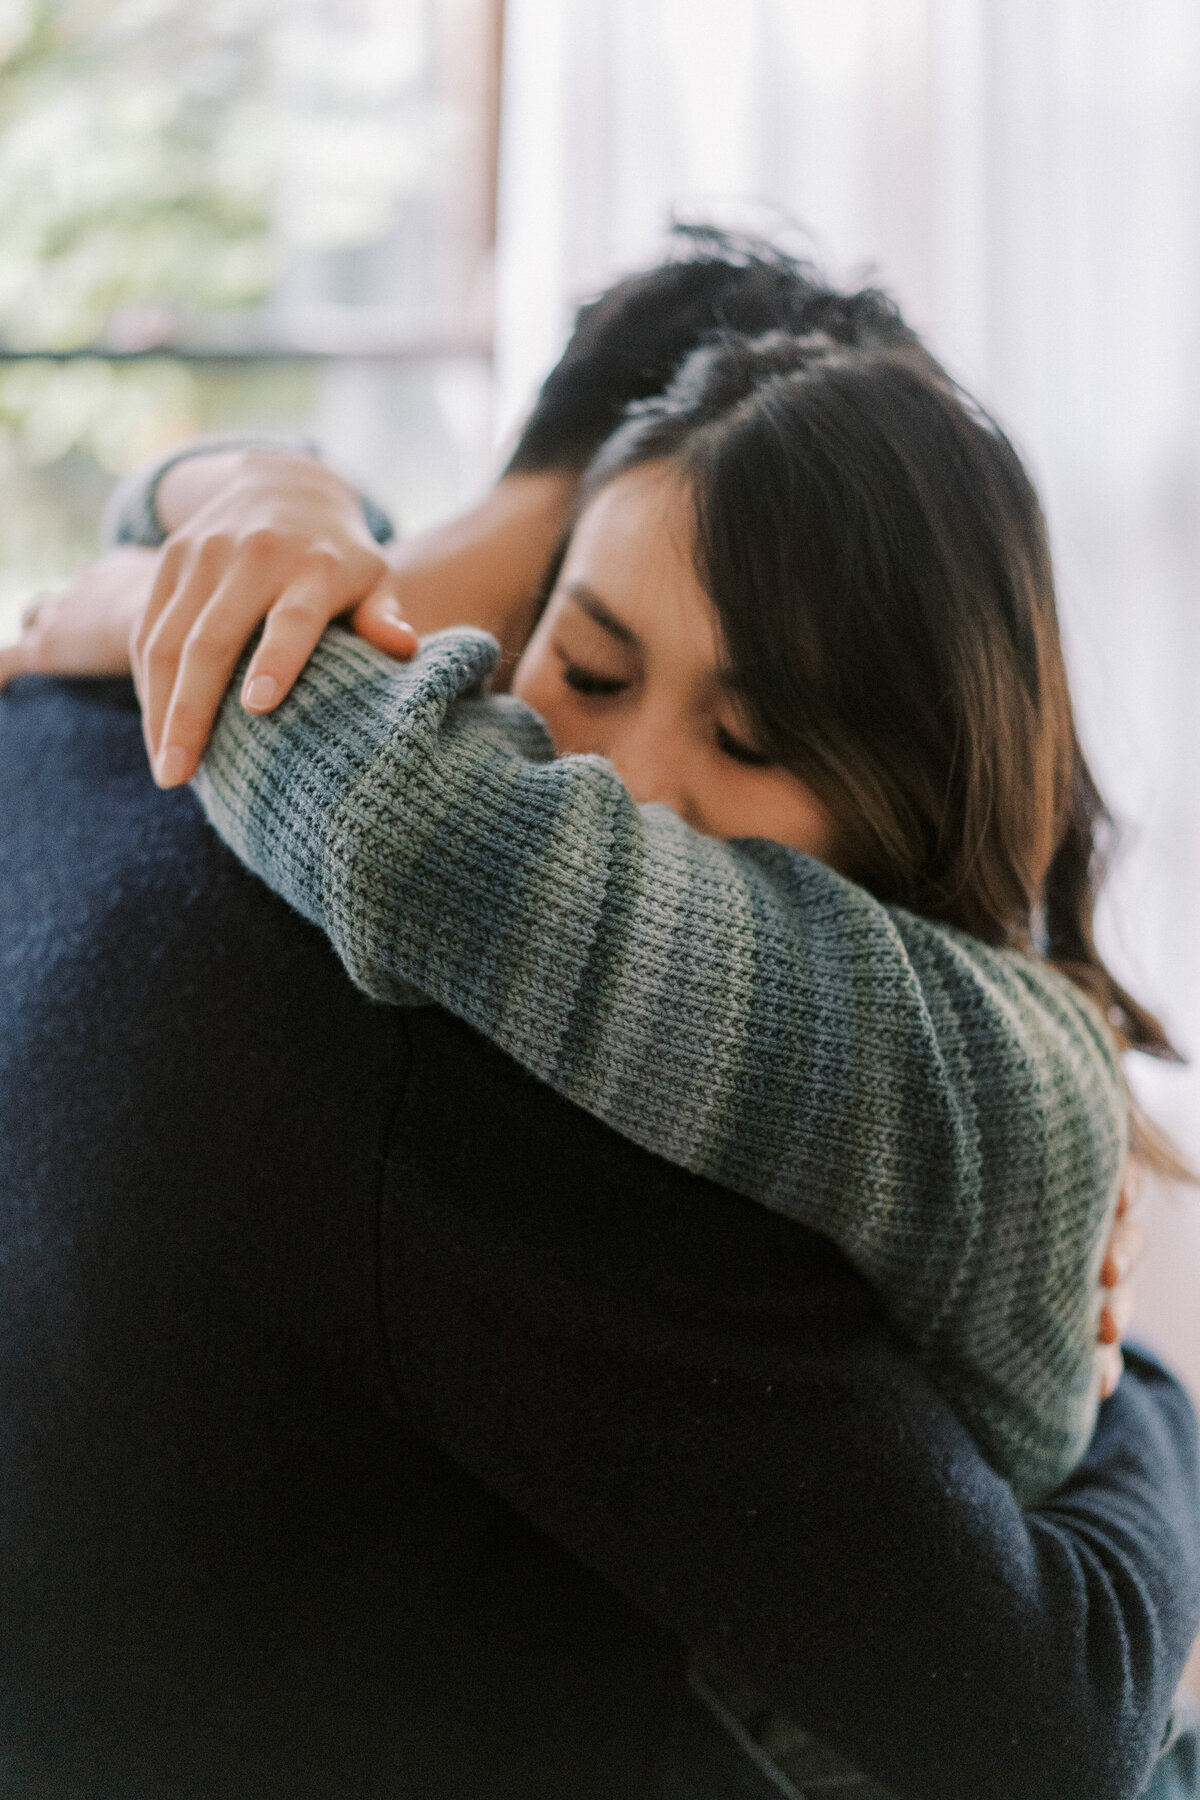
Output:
x,y
374,1423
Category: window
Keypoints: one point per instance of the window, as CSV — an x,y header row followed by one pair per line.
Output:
x,y
229,214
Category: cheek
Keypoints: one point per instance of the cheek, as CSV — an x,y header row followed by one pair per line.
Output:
x,y
538,683
814,830
742,804
529,679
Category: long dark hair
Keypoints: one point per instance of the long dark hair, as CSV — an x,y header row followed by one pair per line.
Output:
x,y
878,560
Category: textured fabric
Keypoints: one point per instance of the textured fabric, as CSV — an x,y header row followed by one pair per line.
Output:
x,y
131,513
1177,1772
229,1568
797,1764
951,1115
798,1767
263,1242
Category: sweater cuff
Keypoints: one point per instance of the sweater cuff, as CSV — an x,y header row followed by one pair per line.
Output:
x,y
131,514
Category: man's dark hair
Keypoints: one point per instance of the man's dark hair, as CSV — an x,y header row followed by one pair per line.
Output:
x,y
628,343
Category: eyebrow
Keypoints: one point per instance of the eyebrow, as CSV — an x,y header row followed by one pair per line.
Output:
x,y
588,601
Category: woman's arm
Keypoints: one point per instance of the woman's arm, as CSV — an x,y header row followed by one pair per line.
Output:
x,y
951,1116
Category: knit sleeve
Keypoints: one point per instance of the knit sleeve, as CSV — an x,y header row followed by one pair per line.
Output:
x,y
950,1115
130,514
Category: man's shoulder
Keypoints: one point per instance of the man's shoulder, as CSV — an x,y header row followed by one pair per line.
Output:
x,y
112,860
144,974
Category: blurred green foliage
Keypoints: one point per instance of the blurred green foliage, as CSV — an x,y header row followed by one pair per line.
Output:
x,y
195,170
137,160
66,429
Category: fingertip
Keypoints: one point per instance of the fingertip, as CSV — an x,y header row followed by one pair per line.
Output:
x,y
388,610
260,693
380,620
394,635
173,767
405,642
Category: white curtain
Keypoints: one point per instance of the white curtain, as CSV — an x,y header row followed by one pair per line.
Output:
x,y
1024,175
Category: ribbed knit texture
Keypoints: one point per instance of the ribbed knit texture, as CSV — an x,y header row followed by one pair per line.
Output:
x,y
951,1115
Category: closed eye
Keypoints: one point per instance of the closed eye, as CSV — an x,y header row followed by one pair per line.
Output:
x,y
586,681
733,747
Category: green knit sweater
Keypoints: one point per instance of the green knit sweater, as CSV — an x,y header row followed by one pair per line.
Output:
x,y
951,1115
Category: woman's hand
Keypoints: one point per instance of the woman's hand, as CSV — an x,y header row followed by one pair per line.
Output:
x,y
260,535
257,538
84,630
1123,1252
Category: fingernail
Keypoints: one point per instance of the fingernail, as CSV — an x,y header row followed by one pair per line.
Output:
x,y
1108,1328
172,766
1110,1274
260,693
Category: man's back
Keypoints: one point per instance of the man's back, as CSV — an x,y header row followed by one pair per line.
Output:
x,y
279,1266
219,1576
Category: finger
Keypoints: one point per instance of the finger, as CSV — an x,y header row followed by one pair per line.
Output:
x,y
39,650
1121,1308
172,563
210,655
380,620
200,578
1116,1316
1126,1245
1131,1189
36,651
291,634
173,569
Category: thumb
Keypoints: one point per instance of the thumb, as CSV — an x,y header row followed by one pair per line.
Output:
x,y
380,620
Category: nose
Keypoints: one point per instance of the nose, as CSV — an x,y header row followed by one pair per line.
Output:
x,y
653,762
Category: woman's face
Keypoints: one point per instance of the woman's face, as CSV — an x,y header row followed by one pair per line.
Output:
x,y
626,662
